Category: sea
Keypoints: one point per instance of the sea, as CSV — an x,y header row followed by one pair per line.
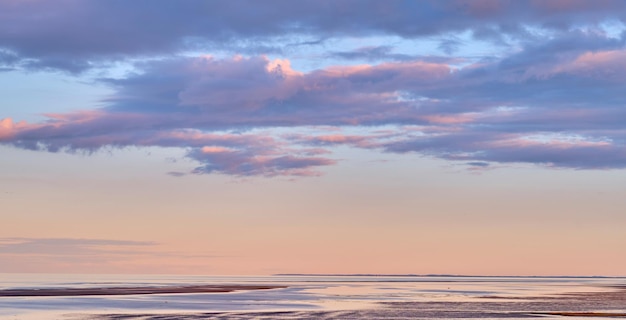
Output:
x,y
317,297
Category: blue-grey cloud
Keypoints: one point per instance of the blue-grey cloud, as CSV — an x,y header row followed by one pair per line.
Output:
x,y
385,53
77,35
554,97
478,164
372,53
565,112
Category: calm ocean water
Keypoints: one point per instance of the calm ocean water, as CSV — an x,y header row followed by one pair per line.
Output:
x,y
317,297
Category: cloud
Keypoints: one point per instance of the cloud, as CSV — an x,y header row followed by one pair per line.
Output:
x,y
225,111
248,161
376,54
511,148
86,255
551,93
76,35
449,45
371,53
176,174
70,247
478,164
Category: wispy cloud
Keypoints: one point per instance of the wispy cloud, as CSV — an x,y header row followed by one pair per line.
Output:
x,y
94,256
64,247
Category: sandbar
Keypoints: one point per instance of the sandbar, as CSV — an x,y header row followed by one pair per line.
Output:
x,y
115,291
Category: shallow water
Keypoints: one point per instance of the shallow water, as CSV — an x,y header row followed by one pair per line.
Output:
x,y
317,297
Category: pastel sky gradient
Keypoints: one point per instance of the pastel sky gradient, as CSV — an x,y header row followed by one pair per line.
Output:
x,y
474,137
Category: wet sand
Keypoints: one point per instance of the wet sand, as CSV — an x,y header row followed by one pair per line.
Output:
x,y
603,304
115,291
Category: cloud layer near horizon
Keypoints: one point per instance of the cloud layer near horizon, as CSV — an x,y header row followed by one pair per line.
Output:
x,y
554,97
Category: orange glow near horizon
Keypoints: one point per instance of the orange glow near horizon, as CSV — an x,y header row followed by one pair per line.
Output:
x,y
389,223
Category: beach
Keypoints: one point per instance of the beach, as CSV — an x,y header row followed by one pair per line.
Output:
x,y
610,304
311,297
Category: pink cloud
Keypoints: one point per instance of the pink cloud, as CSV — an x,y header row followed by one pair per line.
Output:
x,y
214,149
547,142
227,112
6,128
371,140
605,65
245,164
449,119
337,138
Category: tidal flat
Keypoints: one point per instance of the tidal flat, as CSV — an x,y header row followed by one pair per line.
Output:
x,y
113,297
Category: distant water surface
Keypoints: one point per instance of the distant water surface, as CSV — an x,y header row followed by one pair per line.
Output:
x,y
318,297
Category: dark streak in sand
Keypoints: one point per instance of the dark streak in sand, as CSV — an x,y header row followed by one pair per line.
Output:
x,y
116,291
583,314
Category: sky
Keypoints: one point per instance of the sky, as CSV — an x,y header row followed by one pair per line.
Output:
x,y
242,137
